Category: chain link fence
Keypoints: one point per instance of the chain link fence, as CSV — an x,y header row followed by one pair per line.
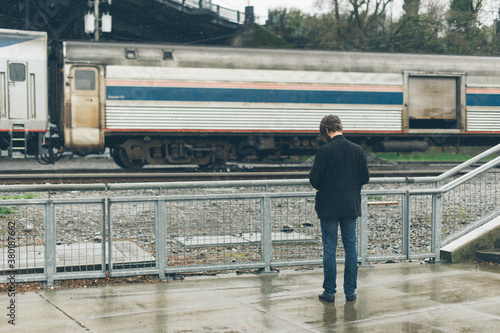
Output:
x,y
220,226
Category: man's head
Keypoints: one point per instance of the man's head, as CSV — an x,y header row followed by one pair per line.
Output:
x,y
332,124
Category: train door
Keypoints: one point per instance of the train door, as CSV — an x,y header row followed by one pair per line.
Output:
x,y
83,123
17,91
434,103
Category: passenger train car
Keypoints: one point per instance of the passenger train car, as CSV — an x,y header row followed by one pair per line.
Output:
x,y
23,91
167,104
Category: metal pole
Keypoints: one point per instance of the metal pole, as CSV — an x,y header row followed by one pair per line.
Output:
x,y
96,13
110,236
406,225
363,230
161,232
50,242
266,239
437,215
104,212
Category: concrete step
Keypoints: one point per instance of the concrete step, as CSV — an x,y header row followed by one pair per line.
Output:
x,y
466,247
489,256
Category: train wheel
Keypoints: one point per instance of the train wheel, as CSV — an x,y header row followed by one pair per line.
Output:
x,y
220,153
124,161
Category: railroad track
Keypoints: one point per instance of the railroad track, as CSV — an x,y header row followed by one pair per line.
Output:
x,y
191,173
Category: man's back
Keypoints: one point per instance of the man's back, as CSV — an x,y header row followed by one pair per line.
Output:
x,y
338,173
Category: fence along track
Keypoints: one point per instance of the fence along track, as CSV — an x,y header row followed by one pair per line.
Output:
x,y
273,225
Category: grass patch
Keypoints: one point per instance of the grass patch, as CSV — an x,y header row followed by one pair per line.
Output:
x,y
419,157
24,196
5,211
449,154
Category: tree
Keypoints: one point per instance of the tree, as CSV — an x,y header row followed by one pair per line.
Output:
x,y
289,24
416,32
359,24
464,34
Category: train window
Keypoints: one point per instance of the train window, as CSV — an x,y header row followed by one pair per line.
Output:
x,y
84,80
17,72
168,55
131,53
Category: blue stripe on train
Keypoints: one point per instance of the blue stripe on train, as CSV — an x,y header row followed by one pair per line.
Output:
x,y
252,95
8,41
483,100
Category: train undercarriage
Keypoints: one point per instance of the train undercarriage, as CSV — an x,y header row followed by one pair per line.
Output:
x,y
134,153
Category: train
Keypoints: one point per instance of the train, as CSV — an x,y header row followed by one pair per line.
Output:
x,y
156,104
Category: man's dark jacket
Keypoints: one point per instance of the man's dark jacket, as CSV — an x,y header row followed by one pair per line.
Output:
x,y
338,172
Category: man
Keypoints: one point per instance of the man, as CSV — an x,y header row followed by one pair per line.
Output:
x,y
338,172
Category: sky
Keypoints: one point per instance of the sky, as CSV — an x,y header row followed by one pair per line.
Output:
x,y
261,7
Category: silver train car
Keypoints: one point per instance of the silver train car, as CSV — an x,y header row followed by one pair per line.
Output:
x,y
179,104
23,91
164,104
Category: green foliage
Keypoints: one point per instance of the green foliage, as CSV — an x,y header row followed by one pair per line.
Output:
x,y
4,211
354,26
24,196
266,38
432,155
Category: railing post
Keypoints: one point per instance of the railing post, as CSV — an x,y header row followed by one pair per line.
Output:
x,y
103,232
161,232
437,215
50,242
406,225
266,239
110,237
363,230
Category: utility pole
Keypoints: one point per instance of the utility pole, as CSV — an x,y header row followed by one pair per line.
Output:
x,y
96,23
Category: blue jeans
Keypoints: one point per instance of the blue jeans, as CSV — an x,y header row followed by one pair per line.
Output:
x,y
329,233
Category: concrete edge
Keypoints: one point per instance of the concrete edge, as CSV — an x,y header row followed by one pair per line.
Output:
x,y
464,248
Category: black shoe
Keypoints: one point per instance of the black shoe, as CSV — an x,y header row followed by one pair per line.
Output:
x,y
351,298
330,298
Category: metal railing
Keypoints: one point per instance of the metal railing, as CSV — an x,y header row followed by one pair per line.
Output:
x,y
230,15
185,227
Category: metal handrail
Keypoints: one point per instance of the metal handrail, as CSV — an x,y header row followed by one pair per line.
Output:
x,y
52,212
491,164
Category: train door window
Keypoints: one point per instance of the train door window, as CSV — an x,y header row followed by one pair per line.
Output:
x,y
433,102
85,97
85,80
17,91
17,72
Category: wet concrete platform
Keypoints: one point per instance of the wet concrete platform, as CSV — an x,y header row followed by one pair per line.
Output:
x,y
408,297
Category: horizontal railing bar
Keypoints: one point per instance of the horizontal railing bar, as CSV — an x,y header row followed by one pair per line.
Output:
x,y
53,187
483,168
468,163
216,267
79,276
223,196
133,272
377,258
303,262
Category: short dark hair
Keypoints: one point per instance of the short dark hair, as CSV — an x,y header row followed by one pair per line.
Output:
x,y
330,122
